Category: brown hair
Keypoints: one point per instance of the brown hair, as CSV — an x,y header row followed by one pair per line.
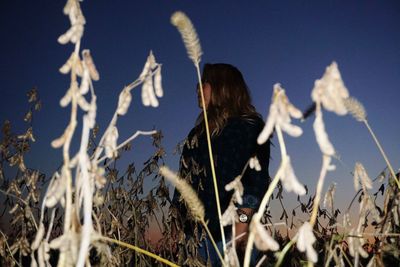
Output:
x,y
230,97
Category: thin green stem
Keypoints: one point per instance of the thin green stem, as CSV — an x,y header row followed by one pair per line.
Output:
x,y
213,242
210,152
137,249
271,188
8,247
282,254
257,216
383,153
325,163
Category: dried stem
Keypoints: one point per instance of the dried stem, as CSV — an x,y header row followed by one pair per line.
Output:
x,y
267,195
213,242
135,135
383,153
282,254
137,249
210,153
325,164
9,250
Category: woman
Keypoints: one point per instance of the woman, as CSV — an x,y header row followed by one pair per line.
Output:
x,y
234,127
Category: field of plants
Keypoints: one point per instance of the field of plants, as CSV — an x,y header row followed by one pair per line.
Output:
x,y
90,212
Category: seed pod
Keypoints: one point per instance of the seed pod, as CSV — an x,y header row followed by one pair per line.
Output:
x,y
38,238
87,58
157,83
124,102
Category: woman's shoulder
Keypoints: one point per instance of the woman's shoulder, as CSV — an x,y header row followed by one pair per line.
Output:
x,y
251,122
248,126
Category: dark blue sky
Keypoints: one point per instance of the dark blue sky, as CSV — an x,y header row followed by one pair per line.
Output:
x,y
290,42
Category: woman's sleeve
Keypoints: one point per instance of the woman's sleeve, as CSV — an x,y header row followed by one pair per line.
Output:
x,y
256,183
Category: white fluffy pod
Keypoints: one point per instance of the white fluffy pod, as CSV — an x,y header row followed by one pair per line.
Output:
x,y
88,60
110,142
146,88
66,68
331,91
305,242
147,66
66,99
82,103
151,89
56,189
38,237
356,244
152,97
91,115
254,163
262,239
230,215
77,20
124,101
322,137
157,82
84,86
238,189
280,113
73,61
290,181
148,96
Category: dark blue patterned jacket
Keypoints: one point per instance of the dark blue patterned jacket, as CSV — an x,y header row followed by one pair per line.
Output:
x,y
232,148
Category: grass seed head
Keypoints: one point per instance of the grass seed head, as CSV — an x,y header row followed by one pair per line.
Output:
x,y
194,204
189,36
356,109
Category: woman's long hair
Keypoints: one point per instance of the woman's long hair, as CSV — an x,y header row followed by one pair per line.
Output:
x,y
230,97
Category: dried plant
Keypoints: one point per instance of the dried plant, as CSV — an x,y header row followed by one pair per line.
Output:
x,y
91,201
193,48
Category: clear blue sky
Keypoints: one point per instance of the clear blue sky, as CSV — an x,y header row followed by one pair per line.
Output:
x,y
290,42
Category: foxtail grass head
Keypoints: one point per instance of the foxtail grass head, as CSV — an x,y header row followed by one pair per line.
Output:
x,y
189,36
356,109
194,204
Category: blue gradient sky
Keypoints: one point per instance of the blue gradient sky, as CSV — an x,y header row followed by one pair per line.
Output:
x,y
290,42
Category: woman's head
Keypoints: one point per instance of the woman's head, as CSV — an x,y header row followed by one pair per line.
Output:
x,y
226,95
